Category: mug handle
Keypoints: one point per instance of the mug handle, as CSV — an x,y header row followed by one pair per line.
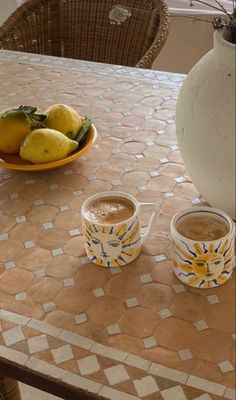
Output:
x,y
153,220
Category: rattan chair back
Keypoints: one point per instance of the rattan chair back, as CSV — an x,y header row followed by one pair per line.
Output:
x,y
125,32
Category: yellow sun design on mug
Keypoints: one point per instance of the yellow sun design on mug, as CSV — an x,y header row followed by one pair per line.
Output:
x,y
205,266
112,246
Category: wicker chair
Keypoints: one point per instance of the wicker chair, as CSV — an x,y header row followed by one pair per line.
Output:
x,y
123,32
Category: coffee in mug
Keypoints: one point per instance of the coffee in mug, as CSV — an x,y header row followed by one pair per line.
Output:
x,y
203,246
109,210
112,228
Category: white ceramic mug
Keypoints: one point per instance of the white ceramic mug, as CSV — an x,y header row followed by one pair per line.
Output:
x,y
116,244
203,263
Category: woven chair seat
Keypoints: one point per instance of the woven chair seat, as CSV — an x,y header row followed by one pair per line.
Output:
x,y
125,32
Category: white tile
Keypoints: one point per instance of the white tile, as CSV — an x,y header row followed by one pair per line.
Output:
x,y
161,131
64,208
49,306
179,288
146,278
20,219
84,260
77,192
4,236
14,196
81,318
168,195
195,200
37,343
48,225
44,367
63,353
109,352
164,313
69,282
116,182
13,355
132,302
57,252
13,317
29,181
114,394
234,336
160,257
175,393
168,373
174,147
74,232
38,202
54,186
13,335
205,385
40,273
138,362
68,172
180,179
81,382
154,173
20,296
139,156
201,325
185,354
113,329
116,374
149,342
213,299
230,394
142,188
30,244
204,396
99,292
115,270
77,340
150,143
145,386
164,160
88,365
44,327
225,366
10,265
128,168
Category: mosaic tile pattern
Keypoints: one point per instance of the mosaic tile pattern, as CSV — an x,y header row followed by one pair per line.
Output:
x,y
127,333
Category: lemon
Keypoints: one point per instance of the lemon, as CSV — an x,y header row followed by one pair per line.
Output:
x,y
12,132
64,119
46,145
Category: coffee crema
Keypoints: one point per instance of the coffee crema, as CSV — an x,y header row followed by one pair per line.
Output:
x,y
202,227
109,210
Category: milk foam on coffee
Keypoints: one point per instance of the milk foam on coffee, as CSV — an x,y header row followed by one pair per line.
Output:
x,y
202,227
109,210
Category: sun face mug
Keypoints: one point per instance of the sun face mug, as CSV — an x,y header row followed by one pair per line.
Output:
x,y
203,263
114,244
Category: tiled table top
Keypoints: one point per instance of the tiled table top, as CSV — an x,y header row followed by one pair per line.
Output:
x,y
123,334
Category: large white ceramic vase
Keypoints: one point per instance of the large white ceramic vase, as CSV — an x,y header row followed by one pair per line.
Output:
x,y
205,124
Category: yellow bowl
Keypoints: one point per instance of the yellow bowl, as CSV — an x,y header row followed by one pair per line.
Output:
x,y
14,161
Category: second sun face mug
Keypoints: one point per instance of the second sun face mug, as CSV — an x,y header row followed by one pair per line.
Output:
x,y
112,228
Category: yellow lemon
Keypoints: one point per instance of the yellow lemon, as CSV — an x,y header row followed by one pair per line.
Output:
x,y
64,119
46,145
12,132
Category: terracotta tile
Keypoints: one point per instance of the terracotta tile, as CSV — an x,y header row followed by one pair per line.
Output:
x,y
26,307
155,296
72,182
163,273
139,322
10,250
45,290
97,186
63,266
75,246
60,319
162,183
15,280
149,196
118,286
26,231
32,192
220,317
185,190
192,393
106,310
135,178
67,220
7,325
53,238
149,163
172,205
123,159
143,264
226,292
34,259
127,343
109,173
175,156
175,334
88,329
73,300
6,223
43,213
202,369
228,379
156,244
162,355
29,332
171,169
92,276
208,341
188,306
45,355
58,197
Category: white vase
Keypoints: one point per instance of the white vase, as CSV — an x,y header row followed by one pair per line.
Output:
x,y
205,125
